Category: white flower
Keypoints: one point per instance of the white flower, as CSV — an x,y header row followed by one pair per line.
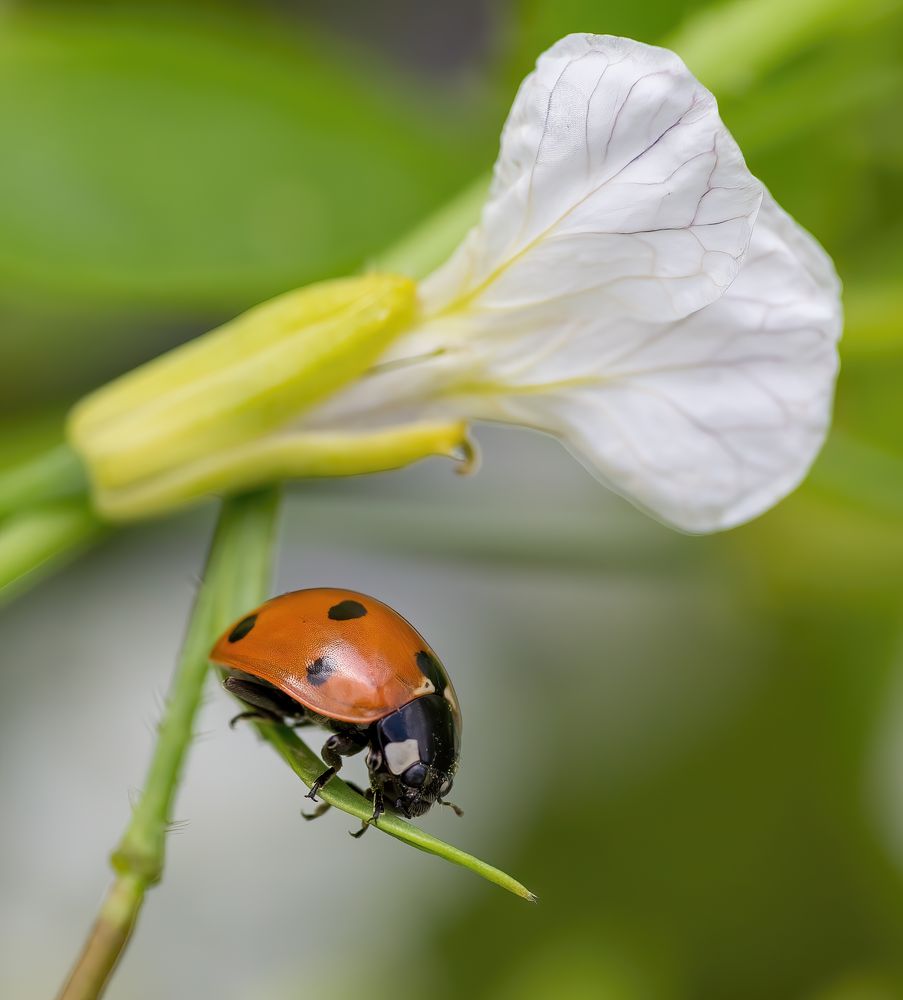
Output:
x,y
631,289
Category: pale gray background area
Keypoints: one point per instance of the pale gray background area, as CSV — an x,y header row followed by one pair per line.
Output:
x,y
255,900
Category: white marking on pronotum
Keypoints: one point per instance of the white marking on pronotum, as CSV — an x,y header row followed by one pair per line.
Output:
x,y
400,756
453,701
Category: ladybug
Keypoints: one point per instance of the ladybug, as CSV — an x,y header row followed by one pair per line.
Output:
x,y
350,663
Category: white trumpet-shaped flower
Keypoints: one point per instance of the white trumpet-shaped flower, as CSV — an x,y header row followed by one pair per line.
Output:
x,y
633,290
630,288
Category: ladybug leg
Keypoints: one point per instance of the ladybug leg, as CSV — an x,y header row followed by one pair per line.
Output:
x,y
339,745
265,701
323,807
378,810
255,714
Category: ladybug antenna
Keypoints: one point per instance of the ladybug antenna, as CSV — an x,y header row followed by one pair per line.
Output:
x,y
458,811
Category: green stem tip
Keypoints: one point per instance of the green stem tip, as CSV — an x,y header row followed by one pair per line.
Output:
x,y
308,766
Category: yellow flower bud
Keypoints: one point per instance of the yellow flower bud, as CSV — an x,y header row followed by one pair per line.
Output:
x,y
219,413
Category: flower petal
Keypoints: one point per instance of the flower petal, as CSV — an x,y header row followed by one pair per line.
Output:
x,y
708,421
617,191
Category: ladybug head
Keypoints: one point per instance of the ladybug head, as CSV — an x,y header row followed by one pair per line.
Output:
x,y
413,792
414,754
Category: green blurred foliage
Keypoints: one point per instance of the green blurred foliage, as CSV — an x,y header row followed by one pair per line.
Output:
x,y
165,165
173,164
685,852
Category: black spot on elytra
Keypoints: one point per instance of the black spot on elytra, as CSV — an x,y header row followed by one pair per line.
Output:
x,y
344,610
319,671
242,628
432,669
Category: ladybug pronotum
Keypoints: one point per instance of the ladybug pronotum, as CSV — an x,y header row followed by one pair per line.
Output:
x,y
350,663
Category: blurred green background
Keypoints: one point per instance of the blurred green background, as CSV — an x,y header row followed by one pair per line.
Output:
x,y
690,748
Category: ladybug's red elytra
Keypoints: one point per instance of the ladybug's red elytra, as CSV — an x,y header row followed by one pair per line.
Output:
x,y
350,663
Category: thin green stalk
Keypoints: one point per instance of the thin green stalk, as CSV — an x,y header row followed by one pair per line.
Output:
x,y
307,766
237,577
38,540
53,474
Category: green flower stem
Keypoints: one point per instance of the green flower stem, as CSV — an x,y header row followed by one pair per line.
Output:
x,y
307,766
237,577
53,474
37,540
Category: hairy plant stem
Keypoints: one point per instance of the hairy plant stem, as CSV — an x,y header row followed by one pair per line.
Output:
x,y
237,576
